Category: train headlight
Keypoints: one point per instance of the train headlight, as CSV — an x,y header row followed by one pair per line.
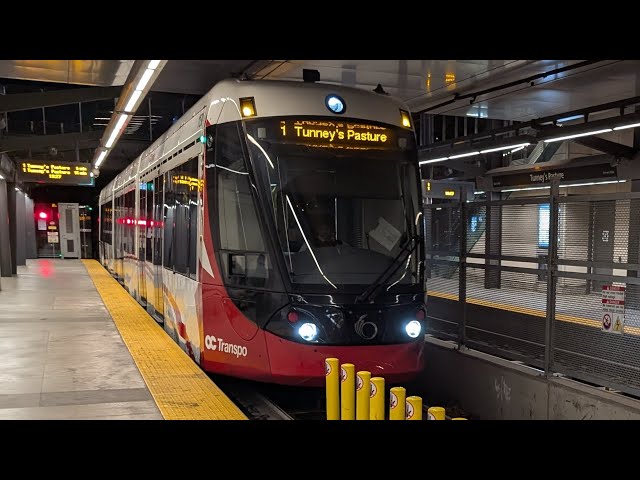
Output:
x,y
335,103
308,331
413,328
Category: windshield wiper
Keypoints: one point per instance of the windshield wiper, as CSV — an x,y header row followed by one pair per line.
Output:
x,y
384,277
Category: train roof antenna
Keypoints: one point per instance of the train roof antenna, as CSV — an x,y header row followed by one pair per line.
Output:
x,y
380,90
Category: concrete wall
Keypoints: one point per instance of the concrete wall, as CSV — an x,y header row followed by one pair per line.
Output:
x,y
491,388
5,242
21,232
30,229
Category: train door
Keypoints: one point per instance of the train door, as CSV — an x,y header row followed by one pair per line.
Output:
x,y
119,240
141,230
158,196
69,229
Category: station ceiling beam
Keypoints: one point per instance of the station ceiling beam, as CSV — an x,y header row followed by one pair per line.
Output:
x,y
63,141
53,98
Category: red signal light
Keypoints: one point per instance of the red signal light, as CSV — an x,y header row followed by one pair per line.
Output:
x,y
43,215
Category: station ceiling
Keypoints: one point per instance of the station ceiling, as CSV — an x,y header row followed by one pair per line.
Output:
x,y
518,90
423,84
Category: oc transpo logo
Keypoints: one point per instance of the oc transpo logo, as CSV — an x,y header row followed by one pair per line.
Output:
x,y
366,330
212,343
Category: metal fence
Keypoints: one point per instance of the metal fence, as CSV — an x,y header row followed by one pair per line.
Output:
x,y
549,281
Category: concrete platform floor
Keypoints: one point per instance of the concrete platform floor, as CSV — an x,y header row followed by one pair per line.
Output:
x,y
61,356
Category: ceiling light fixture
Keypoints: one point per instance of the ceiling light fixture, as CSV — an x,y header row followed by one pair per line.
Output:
x,y
462,155
127,111
576,135
622,127
423,162
508,147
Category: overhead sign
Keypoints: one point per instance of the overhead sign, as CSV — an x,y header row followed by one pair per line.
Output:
x,y
339,134
67,173
448,190
613,309
568,174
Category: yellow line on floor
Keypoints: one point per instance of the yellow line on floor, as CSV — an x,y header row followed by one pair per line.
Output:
x,y
179,386
529,311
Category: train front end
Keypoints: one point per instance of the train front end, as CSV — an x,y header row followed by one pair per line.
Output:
x,y
317,228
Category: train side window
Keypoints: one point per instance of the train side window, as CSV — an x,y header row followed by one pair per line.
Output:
x,y
157,220
180,180
194,190
148,227
240,229
168,219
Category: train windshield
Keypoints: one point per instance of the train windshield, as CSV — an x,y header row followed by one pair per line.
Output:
x,y
344,200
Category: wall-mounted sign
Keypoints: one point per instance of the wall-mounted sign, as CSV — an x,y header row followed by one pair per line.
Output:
x,y
53,237
567,174
68,173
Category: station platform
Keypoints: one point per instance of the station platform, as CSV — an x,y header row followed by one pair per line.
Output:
x,y
75,345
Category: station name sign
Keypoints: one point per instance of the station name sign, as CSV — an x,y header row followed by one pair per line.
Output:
x,y
570,174
67,173
338,134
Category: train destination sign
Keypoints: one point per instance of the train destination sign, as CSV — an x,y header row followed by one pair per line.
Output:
x,y
338,134
68,173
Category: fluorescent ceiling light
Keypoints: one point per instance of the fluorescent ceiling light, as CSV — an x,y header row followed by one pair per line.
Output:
x,y
433,161
568,119
592,183
622,127
564,186
576,135
478,193
517,149
132,101
524,189
146,76
497,149
116,130
153,64
468,154
100,158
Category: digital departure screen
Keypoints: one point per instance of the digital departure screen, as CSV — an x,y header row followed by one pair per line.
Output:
x,y
67,173
337,134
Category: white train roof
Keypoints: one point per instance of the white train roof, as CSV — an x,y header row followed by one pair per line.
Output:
x,y
272,98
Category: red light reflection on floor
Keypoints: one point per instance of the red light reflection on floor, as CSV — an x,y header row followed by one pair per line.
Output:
x,y
46,268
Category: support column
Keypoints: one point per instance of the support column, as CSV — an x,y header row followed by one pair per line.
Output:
x,y
30,229
21,237
5,241
11,207
493,240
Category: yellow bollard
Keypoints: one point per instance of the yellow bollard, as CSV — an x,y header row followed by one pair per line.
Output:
x,y
376,399
458,418
436,413
397,399
348,391
363,389
414,408
333,388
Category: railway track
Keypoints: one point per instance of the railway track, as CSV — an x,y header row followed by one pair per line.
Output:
x,y
273,402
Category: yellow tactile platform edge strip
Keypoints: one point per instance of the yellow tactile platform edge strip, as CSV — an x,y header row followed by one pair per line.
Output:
x,y
179,387
530,311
